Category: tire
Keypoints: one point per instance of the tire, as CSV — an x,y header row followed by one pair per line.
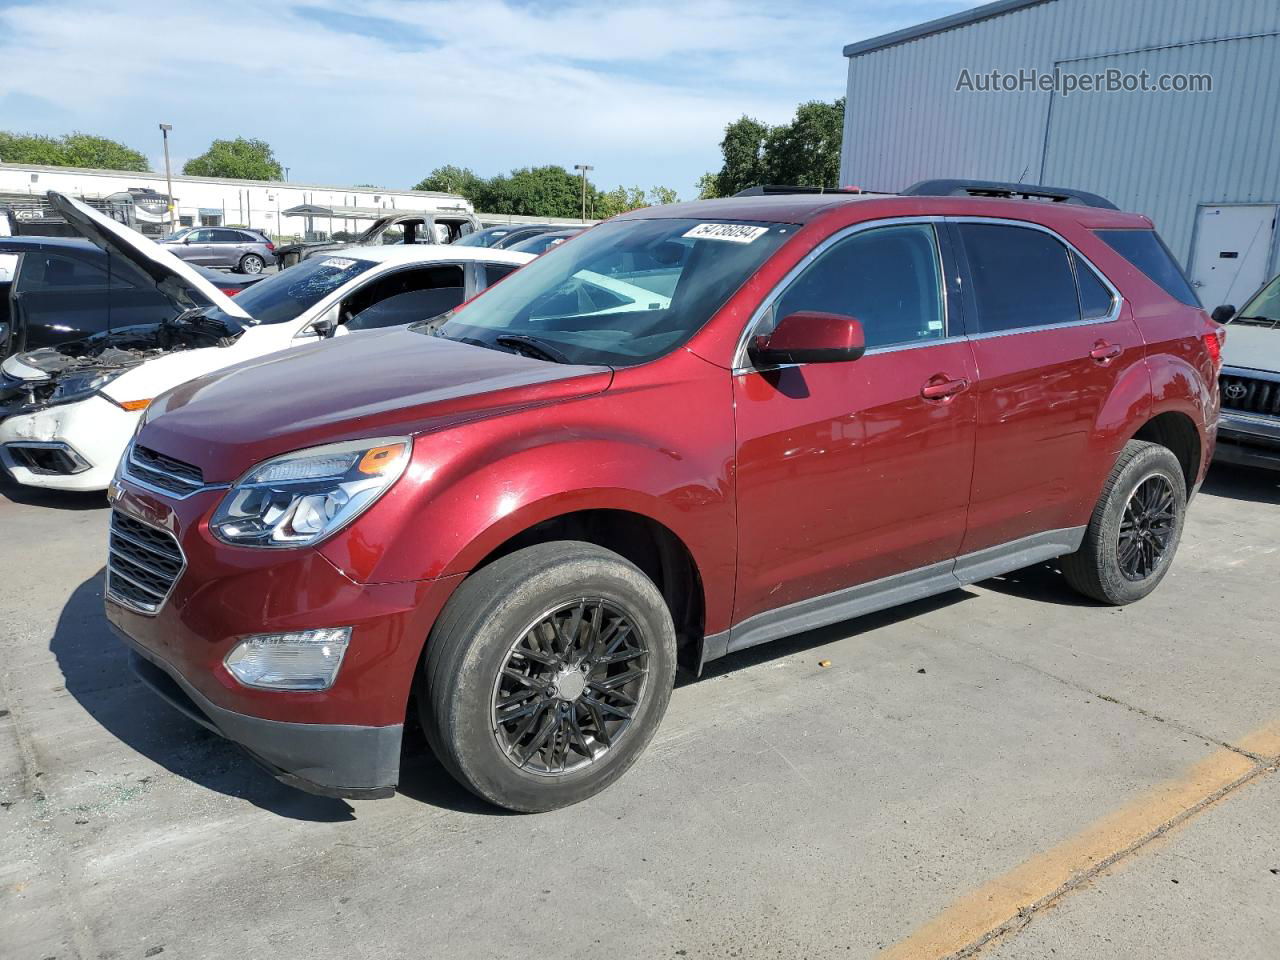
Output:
x,y
251,264
497,619
1104,570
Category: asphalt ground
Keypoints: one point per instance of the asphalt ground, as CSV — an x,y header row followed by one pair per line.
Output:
x,y
1005,771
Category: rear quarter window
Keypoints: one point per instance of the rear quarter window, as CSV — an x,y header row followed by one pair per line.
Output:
x,y
1146,251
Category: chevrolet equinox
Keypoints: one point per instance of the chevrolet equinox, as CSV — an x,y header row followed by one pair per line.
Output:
x,y
690,430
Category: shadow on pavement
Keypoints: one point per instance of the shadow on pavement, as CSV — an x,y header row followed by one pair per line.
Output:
x,y
788,646
57,499
96,668
1043,582
1251,484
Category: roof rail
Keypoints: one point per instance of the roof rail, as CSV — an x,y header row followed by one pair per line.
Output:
x,y
1007,191
778,189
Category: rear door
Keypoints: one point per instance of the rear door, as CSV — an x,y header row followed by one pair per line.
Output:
x,y
846,472
1051,338
228,246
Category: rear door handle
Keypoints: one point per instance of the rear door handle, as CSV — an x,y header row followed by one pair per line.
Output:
x,y
1103,351
940,387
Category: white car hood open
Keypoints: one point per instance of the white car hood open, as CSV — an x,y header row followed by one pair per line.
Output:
x,y
173,277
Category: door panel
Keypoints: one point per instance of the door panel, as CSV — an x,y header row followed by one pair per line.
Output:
x,y
846,474
1045,370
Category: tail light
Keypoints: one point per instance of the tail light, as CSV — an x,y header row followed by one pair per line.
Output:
x,y
271,247
1213,341
231,291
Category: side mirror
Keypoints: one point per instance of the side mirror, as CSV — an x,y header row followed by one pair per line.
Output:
x,y
325,325
810,337
1223,313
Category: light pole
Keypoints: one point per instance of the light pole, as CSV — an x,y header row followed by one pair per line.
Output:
x,y
583,167
286,174
168,178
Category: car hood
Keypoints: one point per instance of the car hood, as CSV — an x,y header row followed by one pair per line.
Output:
x,y
1253,348
177,280
378,383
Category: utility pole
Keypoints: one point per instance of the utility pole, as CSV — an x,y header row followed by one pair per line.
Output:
x,y
286,174
168,178
583,167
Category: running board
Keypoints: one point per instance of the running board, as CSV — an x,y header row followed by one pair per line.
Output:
x,y
892,591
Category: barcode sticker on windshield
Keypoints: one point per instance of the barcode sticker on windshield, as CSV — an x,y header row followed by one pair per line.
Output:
x,y
338,263
732,232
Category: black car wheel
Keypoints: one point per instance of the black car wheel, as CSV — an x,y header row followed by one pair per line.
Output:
x,y
251,263
1135,528
547,674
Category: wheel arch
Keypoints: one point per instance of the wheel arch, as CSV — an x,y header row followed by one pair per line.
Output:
x,y
1176,430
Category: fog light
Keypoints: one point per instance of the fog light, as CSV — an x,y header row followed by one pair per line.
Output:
x,y
289,661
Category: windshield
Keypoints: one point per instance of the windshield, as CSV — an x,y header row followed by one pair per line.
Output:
x,y
1264,309
623,293
286,295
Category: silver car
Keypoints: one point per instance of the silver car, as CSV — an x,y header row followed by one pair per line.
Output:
x,y
233,248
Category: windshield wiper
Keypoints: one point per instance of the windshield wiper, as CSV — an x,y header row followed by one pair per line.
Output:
x,y
531,346
1262,321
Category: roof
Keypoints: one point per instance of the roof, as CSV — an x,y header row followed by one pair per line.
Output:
x,y
773,208
425,253
363,213
962,19
38,242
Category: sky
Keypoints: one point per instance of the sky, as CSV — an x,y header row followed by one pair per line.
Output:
x,y
383,91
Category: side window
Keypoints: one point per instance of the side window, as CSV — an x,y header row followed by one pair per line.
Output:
x,y
226,236
1146,251
1020,277
404,297
1095,299
888,278
493,272
54,272
202,236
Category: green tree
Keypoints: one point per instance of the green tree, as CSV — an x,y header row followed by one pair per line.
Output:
x,y
548,191
806,151
451,179
659,196
70,150
239,159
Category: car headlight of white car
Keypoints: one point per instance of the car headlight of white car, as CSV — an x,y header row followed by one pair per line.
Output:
x,y
72,387
300,498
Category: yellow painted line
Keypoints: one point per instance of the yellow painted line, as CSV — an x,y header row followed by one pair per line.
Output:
x,y
1008,902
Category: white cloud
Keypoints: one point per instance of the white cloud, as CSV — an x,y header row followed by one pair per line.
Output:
x,y
642,90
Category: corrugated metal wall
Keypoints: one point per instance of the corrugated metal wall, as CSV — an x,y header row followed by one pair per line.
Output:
x,y
1158,153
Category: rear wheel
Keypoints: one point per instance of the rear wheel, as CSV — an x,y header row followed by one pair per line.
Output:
x,y
251,263
1135,528
547,675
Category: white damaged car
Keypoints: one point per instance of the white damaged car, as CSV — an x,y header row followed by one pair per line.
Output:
x,y
67,412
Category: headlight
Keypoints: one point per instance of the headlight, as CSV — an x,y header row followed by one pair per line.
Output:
x,y
289,661
77,386
303,497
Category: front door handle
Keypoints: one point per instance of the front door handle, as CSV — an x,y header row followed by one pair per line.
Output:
x,y
1103,351
941,387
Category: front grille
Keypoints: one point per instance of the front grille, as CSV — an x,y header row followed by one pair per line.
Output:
x,y
164,473
143,563
48,459
1250,394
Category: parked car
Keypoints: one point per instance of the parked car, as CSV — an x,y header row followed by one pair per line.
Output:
x,y
1249,431
239,249
394,229
55,289
696,428
543,242
67,412
505,236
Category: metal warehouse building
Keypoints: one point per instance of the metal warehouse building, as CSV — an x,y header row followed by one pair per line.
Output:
x,y
1204,165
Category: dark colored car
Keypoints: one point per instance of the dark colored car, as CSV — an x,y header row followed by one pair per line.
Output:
x,y
1249,432
694,429
232,248
505,236
540,244
55,289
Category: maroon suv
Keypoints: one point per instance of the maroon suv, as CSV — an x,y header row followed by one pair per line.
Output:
x,y
687,431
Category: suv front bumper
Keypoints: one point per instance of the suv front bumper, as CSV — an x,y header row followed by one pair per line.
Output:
x,y
1249,440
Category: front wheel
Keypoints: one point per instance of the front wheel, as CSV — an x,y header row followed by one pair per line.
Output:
x,y
547,675
1135,528
251,263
